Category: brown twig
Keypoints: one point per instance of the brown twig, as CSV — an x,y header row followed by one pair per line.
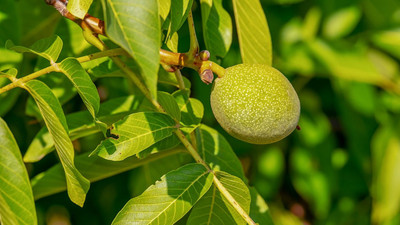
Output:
x,y
192,59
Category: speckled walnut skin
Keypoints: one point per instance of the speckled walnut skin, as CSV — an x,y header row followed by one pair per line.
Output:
x,y
255,103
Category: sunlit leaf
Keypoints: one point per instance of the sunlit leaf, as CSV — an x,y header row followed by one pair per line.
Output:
x,y
214,209
94,168
342,22
48,48
164,8
172,43
351,64
389,41
217,27
55,121
81,124
217,152
82,82
386,183
79,8
135,26
16,199
135,133
169,199
253,32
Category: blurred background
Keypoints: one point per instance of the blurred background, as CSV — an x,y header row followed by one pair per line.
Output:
x,y
341,167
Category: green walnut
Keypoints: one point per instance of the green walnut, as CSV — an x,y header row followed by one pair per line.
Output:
x,y
255,103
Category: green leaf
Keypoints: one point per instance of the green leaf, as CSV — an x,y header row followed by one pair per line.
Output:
x,y
94,168
385,168
55,121
214,209
16,199
81,124
217,152
252,28
169,199
134,25
179,12
135,133
164,7
259,210
165,144
342,22
389,41
352,64
48,48
192,110
217,27
83,84
79,8
152,171
169,104
172,43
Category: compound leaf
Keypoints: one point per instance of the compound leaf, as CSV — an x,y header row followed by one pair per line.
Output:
x,y
94,168
81,124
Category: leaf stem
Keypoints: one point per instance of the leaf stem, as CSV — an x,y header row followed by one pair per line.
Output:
x,y
194,44
232,200
217,183
179,78
54,67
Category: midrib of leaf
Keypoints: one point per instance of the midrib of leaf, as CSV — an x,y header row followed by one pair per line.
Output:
x,y
248,47
212,204
184,191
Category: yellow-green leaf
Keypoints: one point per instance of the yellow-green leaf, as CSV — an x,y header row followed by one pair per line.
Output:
x,y
169,199
135,26
16,199
55,121
135,133
217,27
253,32
48,48
79,8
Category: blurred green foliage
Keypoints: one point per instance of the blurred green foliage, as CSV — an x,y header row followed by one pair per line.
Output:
x,y
341,56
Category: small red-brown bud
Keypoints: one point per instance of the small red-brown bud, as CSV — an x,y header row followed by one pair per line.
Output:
x,y
204,55
207,76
